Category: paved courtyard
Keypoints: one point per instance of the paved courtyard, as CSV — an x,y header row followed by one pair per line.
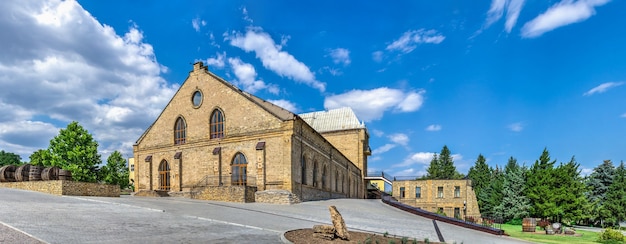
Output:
x,y
37,217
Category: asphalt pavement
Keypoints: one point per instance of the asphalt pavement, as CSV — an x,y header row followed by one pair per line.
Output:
x,y
33,217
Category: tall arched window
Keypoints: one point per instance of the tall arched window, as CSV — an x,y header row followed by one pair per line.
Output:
x,y
303,162
180,131
336,180
164,176
217,124
239,175
324,178
315,173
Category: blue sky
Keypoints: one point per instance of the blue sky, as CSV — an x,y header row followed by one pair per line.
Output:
x,y
500,78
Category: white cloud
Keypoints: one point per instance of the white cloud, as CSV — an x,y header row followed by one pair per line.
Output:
x,y
378,133
561,14
603,88
399,138
273,58
246,77
285,104
217,61
433,128
383,149
377,56
584,172
496,11
409,40
197,23
516,127
60,64
340,56
370,105
422,158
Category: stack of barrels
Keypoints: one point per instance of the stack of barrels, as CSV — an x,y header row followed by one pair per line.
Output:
x,y
28,172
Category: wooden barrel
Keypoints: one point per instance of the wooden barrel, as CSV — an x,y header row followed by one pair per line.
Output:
x,y
50,173
529,225
35,173
21,173
65,174
7,173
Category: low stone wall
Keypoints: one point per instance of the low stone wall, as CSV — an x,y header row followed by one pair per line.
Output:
x,y
227,193
276,197
65,187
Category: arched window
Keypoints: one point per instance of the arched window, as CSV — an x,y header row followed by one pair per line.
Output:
x,y
180,131
324,178
315,173
164,176
336,180
303,162
217,124
239,166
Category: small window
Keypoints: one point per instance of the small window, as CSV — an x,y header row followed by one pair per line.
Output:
x,y
440,192
457,191
217,124
180,133
132,167
196,99
418,192
457,213
402,192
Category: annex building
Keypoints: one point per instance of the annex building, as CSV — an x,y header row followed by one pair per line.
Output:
x,y
454,198
214,141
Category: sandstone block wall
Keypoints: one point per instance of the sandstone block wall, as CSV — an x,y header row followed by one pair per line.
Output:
x,y
430,199
227,193
64,187
276,197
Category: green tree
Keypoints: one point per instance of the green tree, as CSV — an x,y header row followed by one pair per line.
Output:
x,y
74,149
480,174
569,192
492,195
442,167
515,204
115,172
616,195
448,170
7,158
40,157
540,185
433,171
598,183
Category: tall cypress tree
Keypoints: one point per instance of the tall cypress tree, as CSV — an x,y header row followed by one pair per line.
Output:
x,y
448,170
569,192
540,185
433,171
616,195
480,175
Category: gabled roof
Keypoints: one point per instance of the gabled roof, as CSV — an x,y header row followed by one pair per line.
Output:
x,y
333,120
273,109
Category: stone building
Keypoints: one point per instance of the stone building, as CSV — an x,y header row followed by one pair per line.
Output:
x,y
455,198
215,141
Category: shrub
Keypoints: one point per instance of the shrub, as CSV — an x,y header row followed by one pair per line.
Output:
x,y
470,219
488,222
515,222
610,236
543,223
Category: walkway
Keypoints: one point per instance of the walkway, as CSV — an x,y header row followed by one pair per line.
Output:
x,y
55,219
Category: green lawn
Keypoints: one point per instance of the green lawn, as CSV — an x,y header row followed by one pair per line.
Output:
x,y
540,236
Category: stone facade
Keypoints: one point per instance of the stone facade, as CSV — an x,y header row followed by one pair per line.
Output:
x,y
226,193
65,187
276,197
280,150
456,198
